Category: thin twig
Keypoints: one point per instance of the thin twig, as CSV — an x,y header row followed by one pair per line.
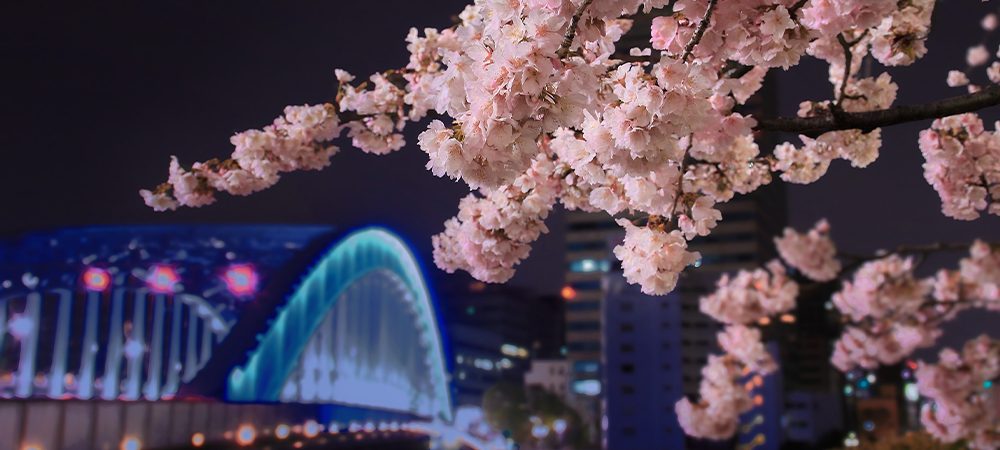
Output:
x,y
797,6
700,31
869,120
571,31
848,56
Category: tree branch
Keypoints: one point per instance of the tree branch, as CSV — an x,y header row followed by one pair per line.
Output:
x,y
700,31
571,30
867,121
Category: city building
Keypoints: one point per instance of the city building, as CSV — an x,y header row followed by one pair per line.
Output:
x,y
643,369
497,330
552,375
761,427
478,362
811,416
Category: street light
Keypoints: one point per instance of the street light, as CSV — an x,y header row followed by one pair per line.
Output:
x,y
559,426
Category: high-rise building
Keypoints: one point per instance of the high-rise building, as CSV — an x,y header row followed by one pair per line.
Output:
x,y
761,427
643,372
552,375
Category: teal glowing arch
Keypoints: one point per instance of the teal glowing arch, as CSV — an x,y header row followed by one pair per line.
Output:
x,y
277,354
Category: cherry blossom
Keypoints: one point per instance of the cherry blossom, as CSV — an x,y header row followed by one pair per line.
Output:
x,y
960,408
652,257
750,296
814,253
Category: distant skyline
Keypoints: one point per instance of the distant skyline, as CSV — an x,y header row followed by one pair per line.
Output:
x,y
99,96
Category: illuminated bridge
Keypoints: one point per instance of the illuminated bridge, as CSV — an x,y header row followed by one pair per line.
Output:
x,y
165,336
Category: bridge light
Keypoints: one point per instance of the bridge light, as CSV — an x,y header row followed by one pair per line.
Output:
x,y
281,431
334,428
162,279
539,431
311,429
96,279
197,439
245,435
369,427
131,443
241,280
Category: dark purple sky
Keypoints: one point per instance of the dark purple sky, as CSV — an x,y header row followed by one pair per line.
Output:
x,y
97,97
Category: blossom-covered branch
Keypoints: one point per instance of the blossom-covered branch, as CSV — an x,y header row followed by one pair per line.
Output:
x,y
834,120
888,314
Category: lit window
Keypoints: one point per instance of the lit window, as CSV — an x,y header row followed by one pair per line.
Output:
x,y
586,367
585,265
587,387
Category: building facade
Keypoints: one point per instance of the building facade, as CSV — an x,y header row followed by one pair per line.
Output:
x,y
643,369
552,375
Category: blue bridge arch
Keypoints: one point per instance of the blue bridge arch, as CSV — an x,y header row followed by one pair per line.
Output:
x,y
367,253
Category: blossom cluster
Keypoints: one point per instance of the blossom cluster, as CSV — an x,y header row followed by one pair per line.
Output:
x,y
959,407
296,141
492,234
529,80
751,296
814,254
895,313
723,398
963,165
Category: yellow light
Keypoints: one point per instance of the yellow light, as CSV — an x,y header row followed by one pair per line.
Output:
x,y
568,293
131,444
197,439
282,431
764,321
788,318
245,435
749,386
296,428
228,435
758,400
746,370
298,444
69,380
758,380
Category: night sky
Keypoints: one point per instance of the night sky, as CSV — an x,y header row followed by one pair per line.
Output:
x,y
97,96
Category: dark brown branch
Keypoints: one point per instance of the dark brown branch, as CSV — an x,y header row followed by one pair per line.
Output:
x,y
797,6
867,121
700,31
571,31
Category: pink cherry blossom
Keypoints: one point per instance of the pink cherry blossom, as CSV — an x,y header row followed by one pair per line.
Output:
x,y
814,253
653,258
750,296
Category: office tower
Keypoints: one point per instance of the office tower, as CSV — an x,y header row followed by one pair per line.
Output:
x,y
643,371
761,427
